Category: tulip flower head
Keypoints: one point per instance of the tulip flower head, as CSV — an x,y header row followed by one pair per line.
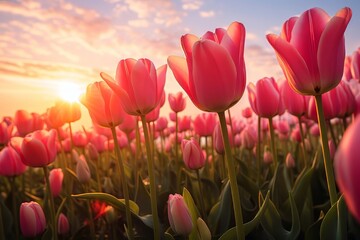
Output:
x,y
179,215
32,219
177,102
56,177
311,50
10,163
192,154
213,73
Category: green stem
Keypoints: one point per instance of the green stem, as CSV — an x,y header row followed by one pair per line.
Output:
x,y
202,205
329,170
258,151
52,205
2,237
91,218
303,143
232,178
123,180
273,146
13,193
152,180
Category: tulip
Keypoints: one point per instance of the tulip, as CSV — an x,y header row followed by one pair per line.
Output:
x,y
268,157
161,124
355,65
289,161
129,123
184,123
82,170
295,103
177,102
63,225
179,215
246,112
32,219
259,95
80,139
131,77
27,122
37,149
204,124
311,50
248,137
10,163
192,154
56,177
347,75
103,105
347,165
213,73
5,132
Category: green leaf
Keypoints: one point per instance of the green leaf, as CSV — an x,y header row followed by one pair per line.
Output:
x,y
229,234
334,224
295,228
48,234
249,226
168,236
194,212
110,199
142,198
313,232
7,218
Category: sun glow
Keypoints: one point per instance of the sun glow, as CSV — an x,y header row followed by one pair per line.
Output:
x,y
69,91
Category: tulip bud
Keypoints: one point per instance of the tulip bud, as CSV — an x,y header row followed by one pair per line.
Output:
x,y
32,219
268,158
82,170
192,154
63,225
10,163
289,161
179,216
56,177
332,148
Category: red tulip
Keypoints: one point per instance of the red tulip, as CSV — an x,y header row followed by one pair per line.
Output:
x,y
259,95
27,122
103,104
311,50
347,165
295,103
5,132
177,102
184,123
347,75
80,139
10,163
246,112
161,124
37,149
63,225
192,154
355,65
213,73
56,177
32,219
179,215
204,124
138,84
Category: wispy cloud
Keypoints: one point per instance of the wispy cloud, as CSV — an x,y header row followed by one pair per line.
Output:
x,y
191,4
207,14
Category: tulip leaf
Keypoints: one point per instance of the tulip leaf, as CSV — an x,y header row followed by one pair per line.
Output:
x,y
220,214
142,198
334,224
229,234
249,226
313,232
194,212
7,219
295,228
110,199
168,236
48,234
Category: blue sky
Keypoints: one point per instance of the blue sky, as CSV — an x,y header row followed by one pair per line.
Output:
x,y
44,43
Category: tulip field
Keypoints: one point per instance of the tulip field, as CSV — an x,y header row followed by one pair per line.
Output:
x,y
287,167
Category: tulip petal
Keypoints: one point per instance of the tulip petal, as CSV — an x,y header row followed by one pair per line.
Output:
x,y
331,53
161,76
293,65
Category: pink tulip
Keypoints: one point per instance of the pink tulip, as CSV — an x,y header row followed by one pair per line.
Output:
x,y
32,219
248,137
311,50
82,170
268,157
179,215
129,123
5,132
289,161
204,124
347,165
56,177
192,154
161,124
27,122
259,95
99,141
63,225
177,102
153,115
355,65
131,78
37,149
246,112
347,75
80,139
218,141
10,163
213,73
184,123
92,151
295,104
103,105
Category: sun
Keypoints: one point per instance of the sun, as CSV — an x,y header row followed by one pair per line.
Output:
x,y
69,91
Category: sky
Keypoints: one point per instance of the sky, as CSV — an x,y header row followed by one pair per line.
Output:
x,y
46,45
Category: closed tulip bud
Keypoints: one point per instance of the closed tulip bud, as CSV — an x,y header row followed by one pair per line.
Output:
x,y
192,154
32,219
56,177
177,102
82,170
332,148
289,161
246,112
92,151
268,157
203,229
347,165
10,163
63,225
179,215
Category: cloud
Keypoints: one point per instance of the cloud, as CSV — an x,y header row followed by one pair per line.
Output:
x,y
191,5
207,14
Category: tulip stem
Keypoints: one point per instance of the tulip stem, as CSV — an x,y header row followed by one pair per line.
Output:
x,y
258,152
303,143
16,222
329,170
232,178
52,205
123,180
2,237
202,205
152,180
273,146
